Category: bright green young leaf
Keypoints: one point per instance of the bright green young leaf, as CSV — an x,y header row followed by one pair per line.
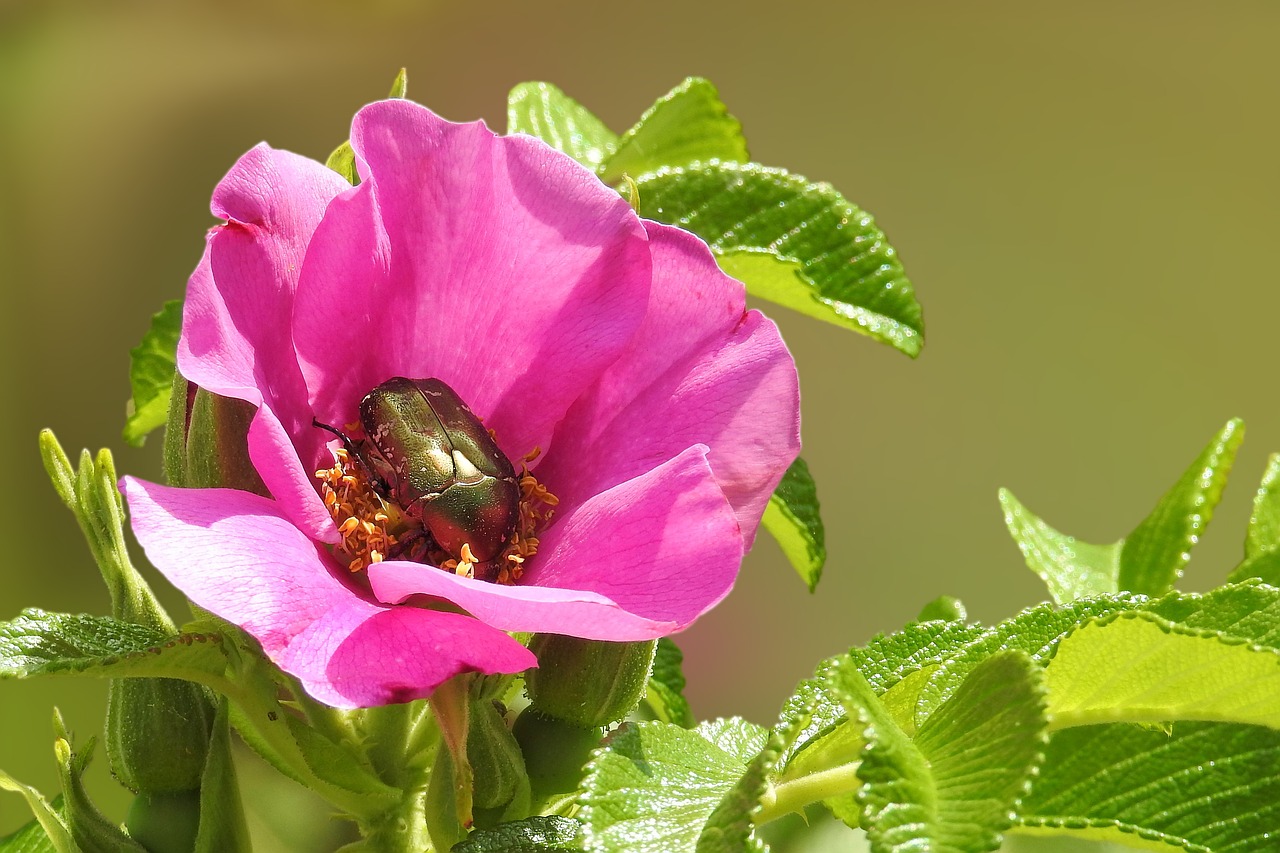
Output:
x,y
687,125
793,518
1137,667
794,242
665,697
31,838
1070,568
538,834
737,737
1035,631
343,158
1149,559
1247,611
49,817
151,366
884,661
954,787
652,789
1155,553
1262,543
731,827
1208,787
542,110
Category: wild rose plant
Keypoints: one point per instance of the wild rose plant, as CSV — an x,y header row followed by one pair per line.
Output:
x,y
461,427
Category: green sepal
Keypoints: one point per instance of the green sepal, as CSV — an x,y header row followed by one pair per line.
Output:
x,y
793,516
91,493
343,158
588,683
151,367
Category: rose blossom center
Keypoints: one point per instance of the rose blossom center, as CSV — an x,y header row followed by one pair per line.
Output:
x,y
374,528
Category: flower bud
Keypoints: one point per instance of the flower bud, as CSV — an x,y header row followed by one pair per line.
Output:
x,y
555,753
588,683
206,440
496,761
158,734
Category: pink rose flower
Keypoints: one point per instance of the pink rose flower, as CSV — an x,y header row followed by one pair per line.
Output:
x,y
665,412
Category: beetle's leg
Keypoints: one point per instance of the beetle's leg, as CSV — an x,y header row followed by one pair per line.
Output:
x,y
353,448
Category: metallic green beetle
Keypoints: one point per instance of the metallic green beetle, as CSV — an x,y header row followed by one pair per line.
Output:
x,y
426,451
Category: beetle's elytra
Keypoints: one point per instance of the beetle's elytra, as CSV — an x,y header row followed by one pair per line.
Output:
x,y
426,451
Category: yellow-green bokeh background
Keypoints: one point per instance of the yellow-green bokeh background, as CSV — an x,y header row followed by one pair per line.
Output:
x,y
1084,194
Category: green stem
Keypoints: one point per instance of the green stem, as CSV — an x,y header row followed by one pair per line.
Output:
x,y
399,830
794,795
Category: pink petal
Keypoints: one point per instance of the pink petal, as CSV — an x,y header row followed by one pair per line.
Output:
x,y
701,370
639,561
234,554
235,334
493,263
235,330
362,654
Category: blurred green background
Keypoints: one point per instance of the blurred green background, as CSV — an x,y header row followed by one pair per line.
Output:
x,y
1085,196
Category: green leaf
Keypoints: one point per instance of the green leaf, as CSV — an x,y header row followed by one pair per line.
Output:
x,y
665,697
31,838
955,786
1137,667
1262,543
48,815
687,125
739,738
542,110
1070,568
538,834
793,518
1247,611
343,158
1155,553
1208,787
884,661
41,643
1152,557
797,243
652,789
151,366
